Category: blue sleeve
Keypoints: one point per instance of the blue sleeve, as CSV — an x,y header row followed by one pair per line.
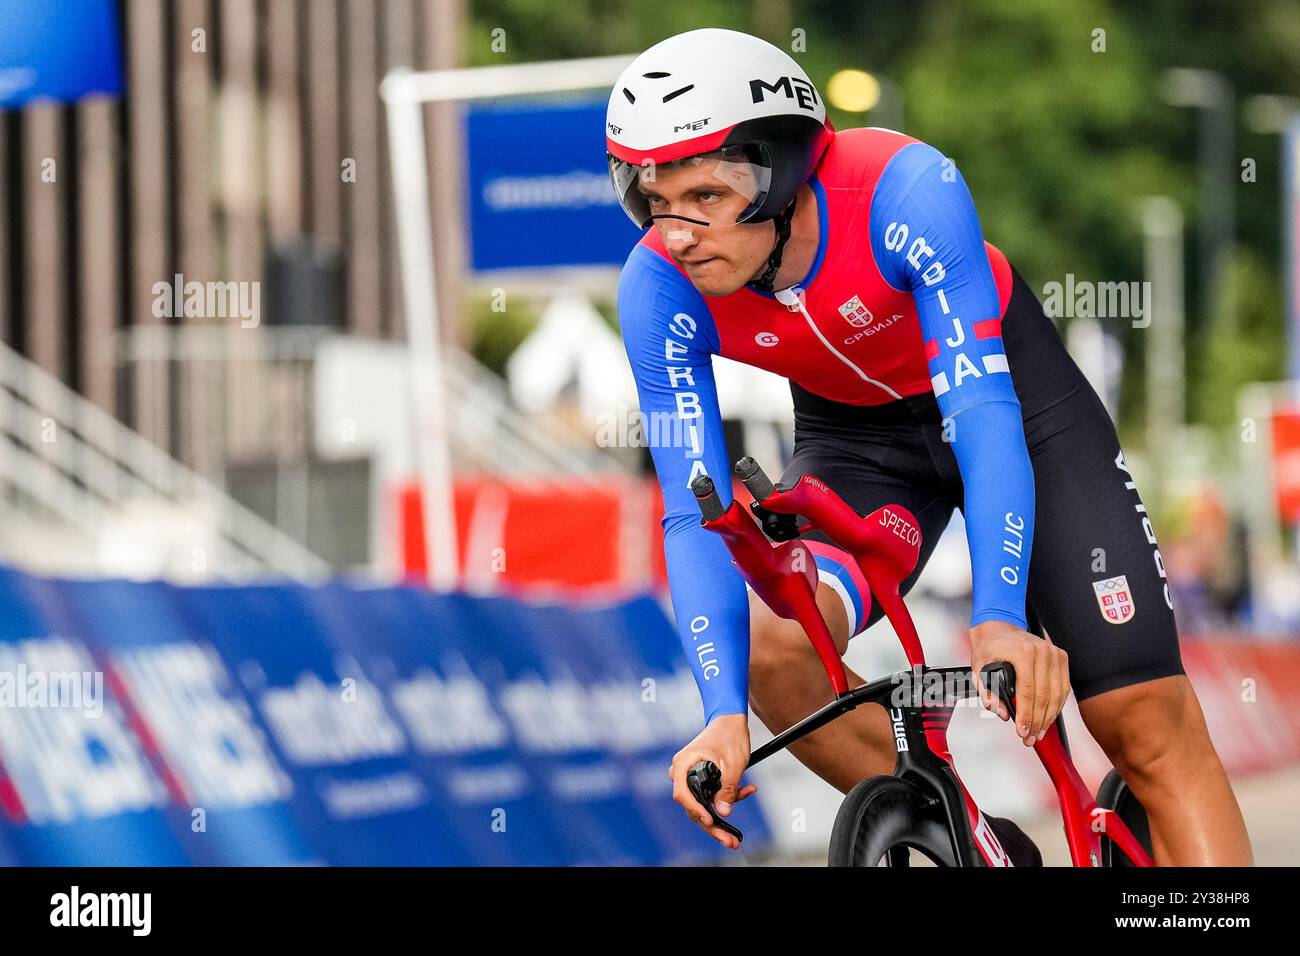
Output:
x,y
670,339
926,239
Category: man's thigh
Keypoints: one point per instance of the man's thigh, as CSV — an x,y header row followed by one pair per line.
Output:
x,y
767,629
865,488
1096,578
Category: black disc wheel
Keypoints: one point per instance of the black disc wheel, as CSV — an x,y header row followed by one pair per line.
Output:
x,y
886,821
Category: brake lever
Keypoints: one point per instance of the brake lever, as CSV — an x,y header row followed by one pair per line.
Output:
x,y
1002,677
705,780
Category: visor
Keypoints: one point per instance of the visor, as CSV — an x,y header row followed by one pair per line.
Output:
x,y
743,169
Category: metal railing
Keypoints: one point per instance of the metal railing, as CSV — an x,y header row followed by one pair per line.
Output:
x,y
65,461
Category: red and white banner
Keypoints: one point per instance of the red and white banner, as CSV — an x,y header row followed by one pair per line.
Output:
x,y
1286,462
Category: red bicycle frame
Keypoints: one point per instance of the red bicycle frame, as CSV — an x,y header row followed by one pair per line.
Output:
x,y
886,546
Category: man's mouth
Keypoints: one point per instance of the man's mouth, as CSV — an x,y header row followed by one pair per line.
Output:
x,y
696,263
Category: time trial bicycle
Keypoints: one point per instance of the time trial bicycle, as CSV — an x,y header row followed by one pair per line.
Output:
x,y
923,806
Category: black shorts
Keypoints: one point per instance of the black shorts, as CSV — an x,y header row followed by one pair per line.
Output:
x,y
1096,579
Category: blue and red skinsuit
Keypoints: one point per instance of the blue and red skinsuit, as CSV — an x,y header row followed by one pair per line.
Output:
x,y
903,297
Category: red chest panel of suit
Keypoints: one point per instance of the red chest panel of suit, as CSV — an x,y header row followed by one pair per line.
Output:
x,y
849,336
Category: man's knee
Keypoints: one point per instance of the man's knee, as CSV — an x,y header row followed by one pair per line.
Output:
x,y
776,647
778,644
1149,730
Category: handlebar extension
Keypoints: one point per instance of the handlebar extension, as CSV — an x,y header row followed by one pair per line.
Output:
x,y
754,479
706,496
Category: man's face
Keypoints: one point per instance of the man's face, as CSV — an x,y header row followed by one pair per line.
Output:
x,y
723,255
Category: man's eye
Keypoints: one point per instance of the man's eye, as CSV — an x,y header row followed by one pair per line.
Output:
x,y
707,196
654,200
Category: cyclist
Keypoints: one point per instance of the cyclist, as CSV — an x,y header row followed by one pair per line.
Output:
x,y
924,372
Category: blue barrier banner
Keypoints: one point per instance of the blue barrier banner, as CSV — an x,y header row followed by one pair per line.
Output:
x,y
152,724
547,707
462,744
600,656
77,786
355,790
230,795
540,195
58,49
636,639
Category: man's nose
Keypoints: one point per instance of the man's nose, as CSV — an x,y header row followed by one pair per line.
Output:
x,y
679,236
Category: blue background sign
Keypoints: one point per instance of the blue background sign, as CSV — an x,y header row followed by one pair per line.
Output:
x,y
58,49
540,194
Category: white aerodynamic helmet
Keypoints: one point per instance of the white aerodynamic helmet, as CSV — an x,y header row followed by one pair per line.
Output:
x,y
717,89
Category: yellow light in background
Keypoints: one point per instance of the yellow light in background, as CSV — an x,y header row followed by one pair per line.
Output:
x,y
853,91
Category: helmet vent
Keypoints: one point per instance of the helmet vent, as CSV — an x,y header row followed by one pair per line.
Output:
x,y
676,93
655,76
628,94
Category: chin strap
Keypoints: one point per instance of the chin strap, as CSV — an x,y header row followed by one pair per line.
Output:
x,y
764,282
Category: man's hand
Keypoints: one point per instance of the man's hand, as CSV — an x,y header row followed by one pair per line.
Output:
x,y
725,741
1042,675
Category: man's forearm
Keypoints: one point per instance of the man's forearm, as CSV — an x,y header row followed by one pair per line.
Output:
x,y
712,611
989,443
